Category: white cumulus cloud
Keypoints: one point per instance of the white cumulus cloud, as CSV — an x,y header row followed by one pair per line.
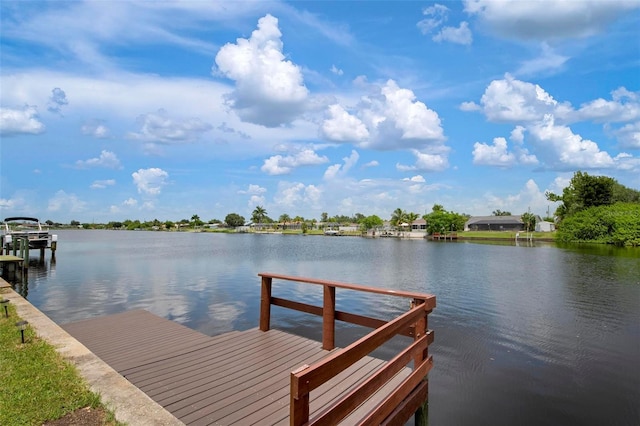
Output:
x,y
545,121
293,194
416,178
498,153
623,106
517,134
470,106
254,190
512,100
629,135
150,181
410,116
280,165
562,148
340,170
107,159
493,155
15,121
160,128
389,119
269,89
341,126
426,162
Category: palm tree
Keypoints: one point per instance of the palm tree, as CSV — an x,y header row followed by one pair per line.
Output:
x,y
410,218
529,220
259,213
195,219
284,219
398,217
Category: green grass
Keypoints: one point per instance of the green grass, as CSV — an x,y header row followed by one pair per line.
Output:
x,y
505,235
36,384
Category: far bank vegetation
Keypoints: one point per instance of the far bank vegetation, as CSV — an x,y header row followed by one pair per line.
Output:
x,y
594,209
598,209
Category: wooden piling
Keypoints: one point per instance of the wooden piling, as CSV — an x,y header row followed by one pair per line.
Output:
x,y
24,251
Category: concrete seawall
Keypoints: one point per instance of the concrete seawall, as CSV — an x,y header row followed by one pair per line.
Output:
x,y
130,404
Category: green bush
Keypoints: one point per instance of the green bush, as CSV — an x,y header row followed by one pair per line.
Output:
x,y
615,224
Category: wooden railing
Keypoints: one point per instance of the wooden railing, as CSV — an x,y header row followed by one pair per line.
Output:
x,y
404,400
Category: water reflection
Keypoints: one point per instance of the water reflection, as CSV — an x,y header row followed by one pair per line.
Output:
x,y
39,267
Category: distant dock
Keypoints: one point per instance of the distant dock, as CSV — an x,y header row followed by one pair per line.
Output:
x,y
21,247
436,236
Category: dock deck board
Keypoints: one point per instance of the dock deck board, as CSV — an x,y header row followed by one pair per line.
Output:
x,y
234,378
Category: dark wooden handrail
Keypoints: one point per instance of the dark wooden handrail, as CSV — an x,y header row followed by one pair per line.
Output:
x,y
339,284
404,400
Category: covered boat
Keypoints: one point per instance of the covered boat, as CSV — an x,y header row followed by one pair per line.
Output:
x,y
26,227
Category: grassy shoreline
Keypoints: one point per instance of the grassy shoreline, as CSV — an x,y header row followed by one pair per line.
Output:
x,y
462,235
38,385
506,235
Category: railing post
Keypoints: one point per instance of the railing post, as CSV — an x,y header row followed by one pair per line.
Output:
x,y
265,304
299,401
420,330
329,318
421,417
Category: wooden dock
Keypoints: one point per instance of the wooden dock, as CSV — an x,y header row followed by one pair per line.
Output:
x,y
8,259
436,236
264,376
234,378
12,266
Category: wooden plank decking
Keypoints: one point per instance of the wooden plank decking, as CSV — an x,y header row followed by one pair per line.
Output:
x,y
9,258
234,378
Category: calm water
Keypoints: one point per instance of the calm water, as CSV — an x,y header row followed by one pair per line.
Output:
x,y
524,335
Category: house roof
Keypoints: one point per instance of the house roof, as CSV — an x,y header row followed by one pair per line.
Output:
x,y
498,220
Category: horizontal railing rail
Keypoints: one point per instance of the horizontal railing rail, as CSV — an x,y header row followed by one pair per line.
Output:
x,y
404,399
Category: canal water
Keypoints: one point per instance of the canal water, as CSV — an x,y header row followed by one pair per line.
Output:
x,y
524,335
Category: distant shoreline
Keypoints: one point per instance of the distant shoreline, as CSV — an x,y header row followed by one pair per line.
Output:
x,y
462,235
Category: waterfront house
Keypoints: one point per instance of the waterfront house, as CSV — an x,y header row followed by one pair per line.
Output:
x,y
494,223
419,225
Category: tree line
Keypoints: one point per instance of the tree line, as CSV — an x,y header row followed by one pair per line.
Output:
x,y
592,209
439,220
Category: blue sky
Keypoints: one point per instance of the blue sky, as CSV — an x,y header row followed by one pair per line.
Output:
x,y
162,110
